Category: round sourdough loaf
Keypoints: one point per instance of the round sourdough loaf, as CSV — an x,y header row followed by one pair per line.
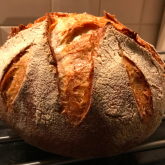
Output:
x,y
80,86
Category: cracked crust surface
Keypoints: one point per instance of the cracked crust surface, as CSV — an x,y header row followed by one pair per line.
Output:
x,y
83,79
74,50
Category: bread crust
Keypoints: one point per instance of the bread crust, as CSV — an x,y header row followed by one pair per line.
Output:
x,y
85,61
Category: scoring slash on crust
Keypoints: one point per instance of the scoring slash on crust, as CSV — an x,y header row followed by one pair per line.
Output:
x,y
14,76
74,53
140,88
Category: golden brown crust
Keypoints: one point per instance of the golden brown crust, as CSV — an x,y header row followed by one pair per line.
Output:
x,y
75,83
15,31
76,87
